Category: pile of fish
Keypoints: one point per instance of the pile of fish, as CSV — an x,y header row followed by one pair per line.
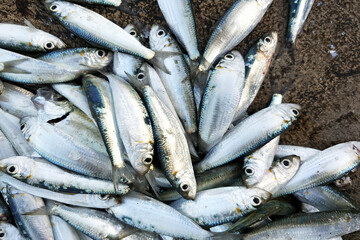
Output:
x,y
154,141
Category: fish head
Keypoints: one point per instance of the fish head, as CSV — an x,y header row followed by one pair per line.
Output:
x,y
142,157
254,198
231,61
288,112
252,173
159,38
47,42
186,184
96,58
18,167
285,168
133,31
268,43
28,126
63,10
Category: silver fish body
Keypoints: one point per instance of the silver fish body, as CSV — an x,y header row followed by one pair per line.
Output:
x,y
151,215
304,153
33,227
35,71
326,198
25,38
10,232
177,82
72,155
134,124
257,63
220,99
317,226
221,205
45,175
95,223
299,11
62,230
280,173
179,17
96,29
172,146
6,149
247,135
324,167
235,25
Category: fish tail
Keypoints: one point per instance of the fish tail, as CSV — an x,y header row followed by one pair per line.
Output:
x,y
10,66
225,235
121,175
151,180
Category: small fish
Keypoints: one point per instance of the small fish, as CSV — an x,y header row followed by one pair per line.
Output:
x,y
179,17
27,38
299,11
9,232
221,205
221,98
235,25
254,131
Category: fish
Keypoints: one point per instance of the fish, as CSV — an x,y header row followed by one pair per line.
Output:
x,y
9,232
96,29
6,149
40,173
324,167
221,205
62,230
177,81
246,136
304,153
257,64
28,38
172,147
179,17
221,97
299,11
234,26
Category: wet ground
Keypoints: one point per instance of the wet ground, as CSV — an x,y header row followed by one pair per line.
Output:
x,y
323,79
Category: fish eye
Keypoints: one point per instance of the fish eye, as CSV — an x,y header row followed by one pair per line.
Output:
x,y
12,169
286,163
249,171
161,33
255,201
147,161
104,197
100,53
54,7
295,112
229,56
184,187
267,40
2,234
49,45
140,76
133,33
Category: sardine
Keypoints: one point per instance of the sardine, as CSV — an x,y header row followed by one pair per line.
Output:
x,y
9,232
304,153
6,149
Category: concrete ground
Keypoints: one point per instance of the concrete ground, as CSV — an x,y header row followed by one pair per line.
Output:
x,y
326,86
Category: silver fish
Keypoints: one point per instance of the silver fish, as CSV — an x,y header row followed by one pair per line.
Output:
x,y
235,25
6,149
299,11
27,38
73,155
179,17
177,82
221,205
62,230
280,173
96,29
248,135
172,146
9,232
257,63
32,227
324,167
304,153
42,174
220,99
134,124
315,226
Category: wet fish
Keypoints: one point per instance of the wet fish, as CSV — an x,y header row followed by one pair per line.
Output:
x,y
221,205
220,99
6,149
96,29
304,153
172,146
62,230
257,63
324,167
179,17
177,81
27,38
9,232
234,26
299,11
248,135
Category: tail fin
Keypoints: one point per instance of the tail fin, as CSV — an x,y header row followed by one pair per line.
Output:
x,y
152,182
10,66
39,211
158,60
226,235
122,175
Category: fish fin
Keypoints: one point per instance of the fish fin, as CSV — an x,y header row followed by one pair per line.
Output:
x,y
135,82
39,211
121,175
29,24
159,58
10,66
151,180
225,235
